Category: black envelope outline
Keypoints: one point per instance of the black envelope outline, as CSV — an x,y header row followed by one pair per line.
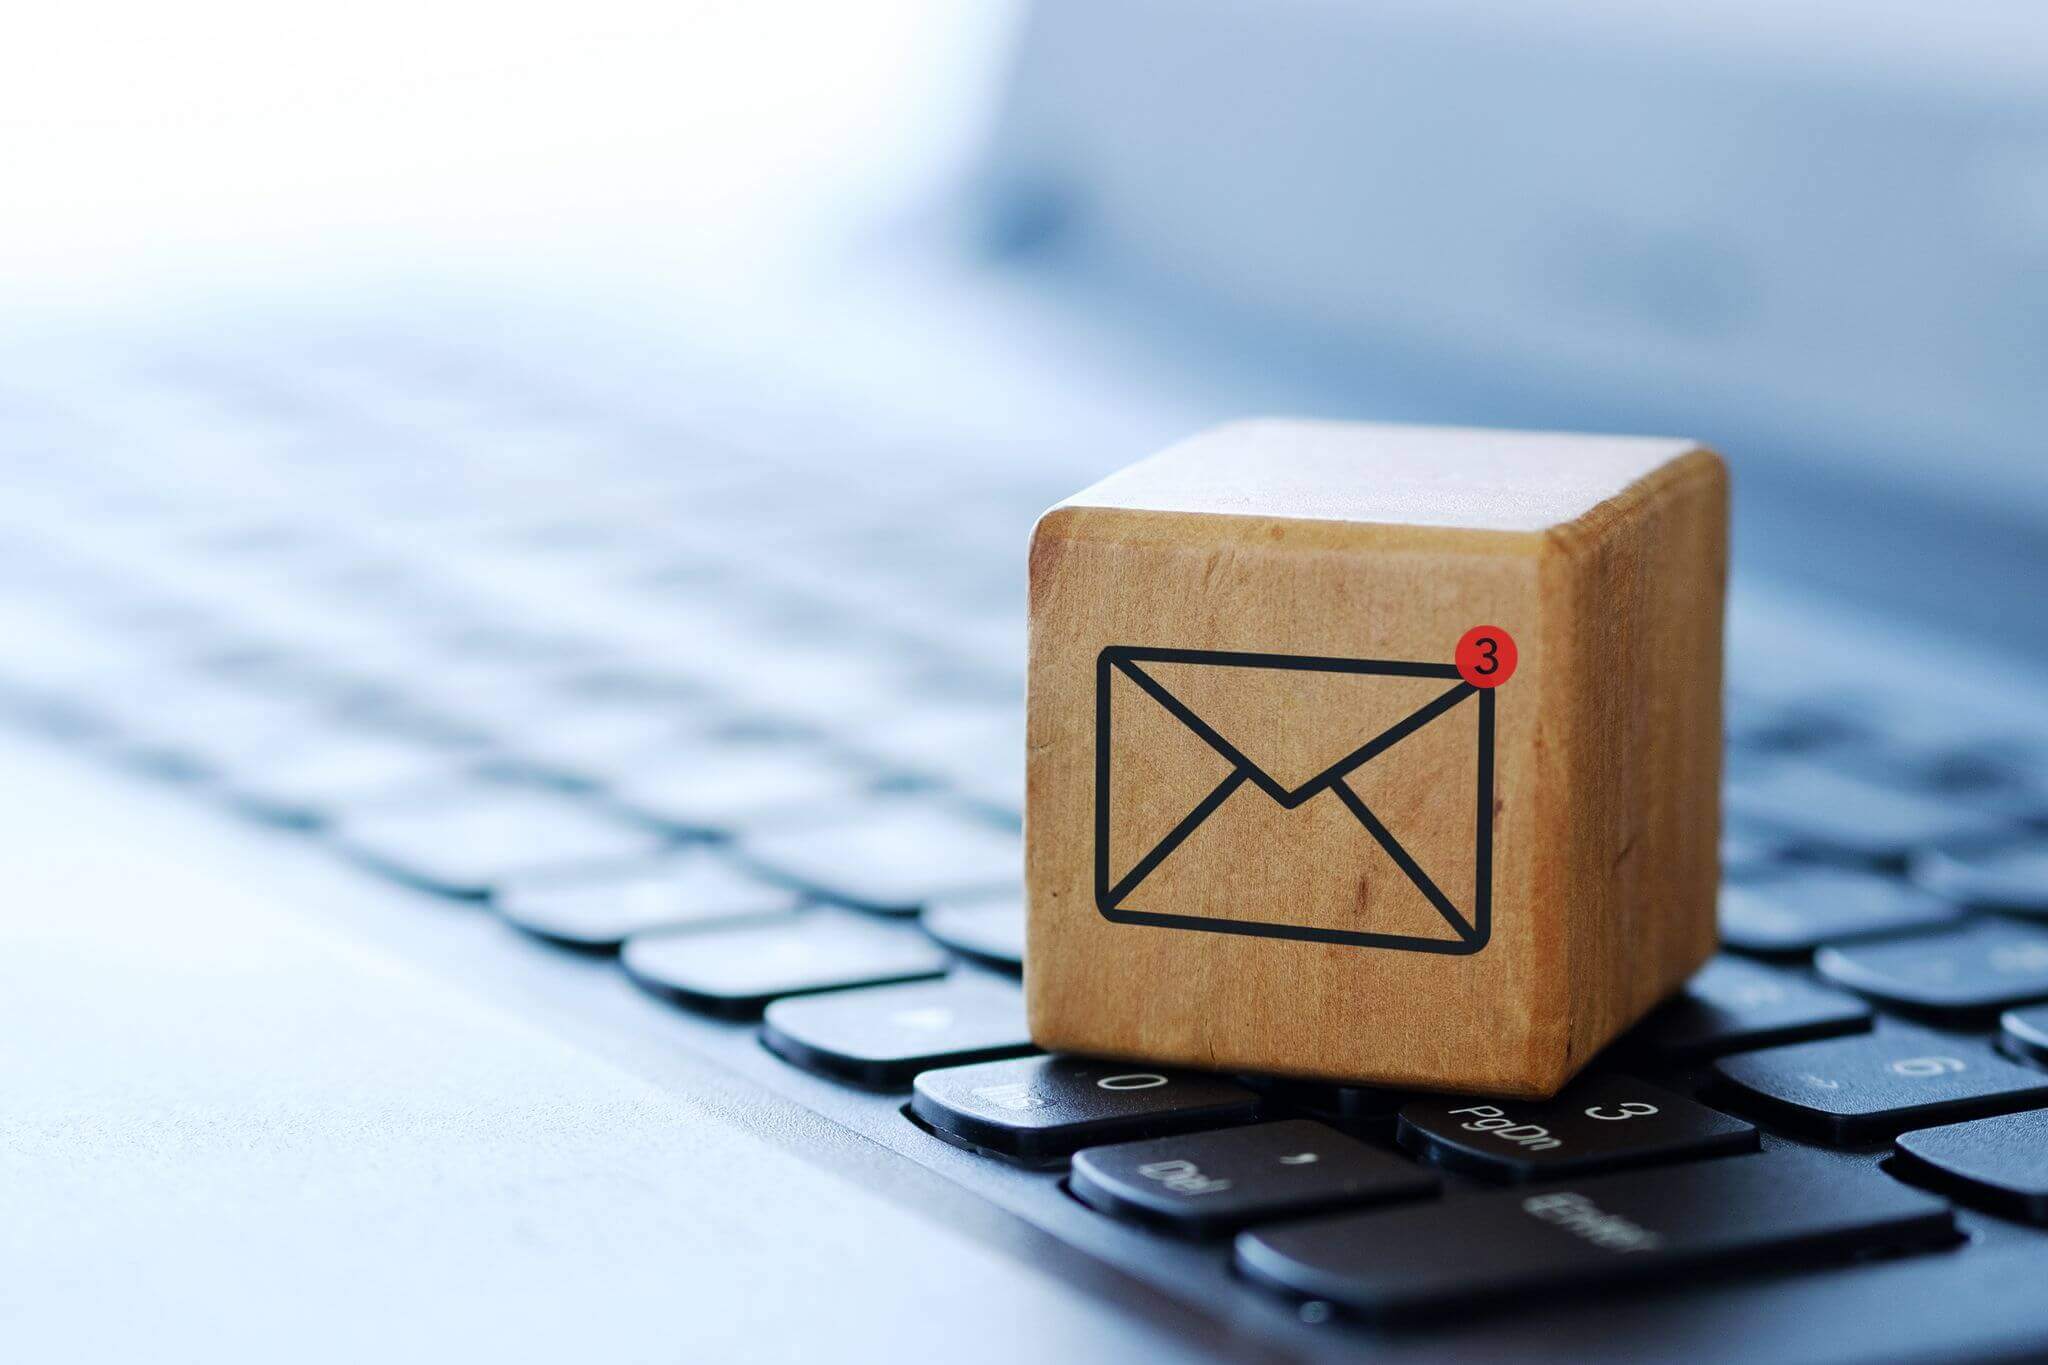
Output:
x,y
1472,935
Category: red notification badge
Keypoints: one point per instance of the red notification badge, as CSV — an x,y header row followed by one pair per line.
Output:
x,y
1486,656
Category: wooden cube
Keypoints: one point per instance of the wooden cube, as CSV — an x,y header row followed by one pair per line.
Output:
x,y
1377,754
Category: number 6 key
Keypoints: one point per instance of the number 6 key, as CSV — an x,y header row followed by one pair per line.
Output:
x,y
1870,1087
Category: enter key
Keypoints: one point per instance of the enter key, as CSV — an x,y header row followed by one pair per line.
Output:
x,y
1488,1250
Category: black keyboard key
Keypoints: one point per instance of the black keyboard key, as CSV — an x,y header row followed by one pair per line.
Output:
x,y
1798,911
1732,1006
309,783
693,885
979,747
1866,1088
1040,1110
1745,854
884,1036
2009,875
891,856
184,729
1751,1215
987,928
384,712
2000,1163
477,837
1825,811
1755,726
733,786
1985,773
586,741
736,969
1206,1184
1957,977
1595,1124
2024,1034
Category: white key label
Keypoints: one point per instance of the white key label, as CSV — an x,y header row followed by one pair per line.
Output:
x,y
1489,1118
1581,1217
1016,1096
1136,1080
1928,1066
1629,1109
1182,1177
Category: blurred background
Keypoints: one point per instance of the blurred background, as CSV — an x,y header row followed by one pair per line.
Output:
x,y
1061,233
578,459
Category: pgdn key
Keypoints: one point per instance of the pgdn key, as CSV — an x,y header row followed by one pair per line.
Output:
x,y
1601,1123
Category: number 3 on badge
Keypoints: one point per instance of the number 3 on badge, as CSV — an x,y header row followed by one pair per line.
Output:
x,y
1486,656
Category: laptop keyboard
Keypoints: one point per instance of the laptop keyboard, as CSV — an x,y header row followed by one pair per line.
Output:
x,y
752,722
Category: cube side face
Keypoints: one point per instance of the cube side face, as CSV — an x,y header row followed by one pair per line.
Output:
x,y
1637,598
1209,884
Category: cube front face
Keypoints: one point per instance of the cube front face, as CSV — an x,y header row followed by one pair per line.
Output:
x,y
1356,710
1251,892
1271,825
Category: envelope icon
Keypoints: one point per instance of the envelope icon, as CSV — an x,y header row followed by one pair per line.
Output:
x,y
1231,796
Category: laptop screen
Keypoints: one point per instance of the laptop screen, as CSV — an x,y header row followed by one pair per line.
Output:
x,y
1816,235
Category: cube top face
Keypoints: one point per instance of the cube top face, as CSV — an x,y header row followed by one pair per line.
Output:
x,y
1335,796
1515,481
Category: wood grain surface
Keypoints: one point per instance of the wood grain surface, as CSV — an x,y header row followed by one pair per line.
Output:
x,y
1259,939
